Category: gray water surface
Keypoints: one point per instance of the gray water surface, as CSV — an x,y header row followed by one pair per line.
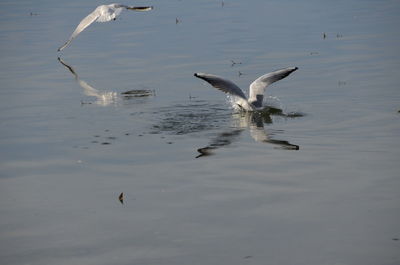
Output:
x,y
314,180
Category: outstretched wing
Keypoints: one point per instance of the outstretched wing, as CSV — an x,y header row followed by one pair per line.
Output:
x,y
139,8
222,84
82,25
136,8
257,88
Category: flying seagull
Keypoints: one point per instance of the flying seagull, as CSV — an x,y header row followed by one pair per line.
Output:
x,y
103,13
256,90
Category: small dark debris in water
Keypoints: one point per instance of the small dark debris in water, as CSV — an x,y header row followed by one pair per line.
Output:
x,y
240,74
95,142
127,134
339,35
111,137
191,97
248,257
324,35
314,53
140,135
96,136
85,103
177,21
395,239
235,63
398,111
105,143
121,198
34,14
106,130
169,142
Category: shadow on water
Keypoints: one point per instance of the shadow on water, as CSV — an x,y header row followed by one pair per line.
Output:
x,y
200,116
105,98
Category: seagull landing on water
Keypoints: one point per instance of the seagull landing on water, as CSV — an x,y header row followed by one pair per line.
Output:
x,y
256,90
103,13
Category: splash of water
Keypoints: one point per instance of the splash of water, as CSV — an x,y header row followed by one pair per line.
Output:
x,y
195,117
106,98
271,106
231,100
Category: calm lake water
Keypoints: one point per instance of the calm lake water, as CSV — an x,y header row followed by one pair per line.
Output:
x,y
315,183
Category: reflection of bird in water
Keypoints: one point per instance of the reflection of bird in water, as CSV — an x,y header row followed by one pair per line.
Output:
x,y
106,98
102,98
256,90
255,122
103,13
223,139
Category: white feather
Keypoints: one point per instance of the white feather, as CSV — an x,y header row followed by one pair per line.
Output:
x,y
257,88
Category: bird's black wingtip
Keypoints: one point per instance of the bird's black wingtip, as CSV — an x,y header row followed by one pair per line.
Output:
x,y
196,74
